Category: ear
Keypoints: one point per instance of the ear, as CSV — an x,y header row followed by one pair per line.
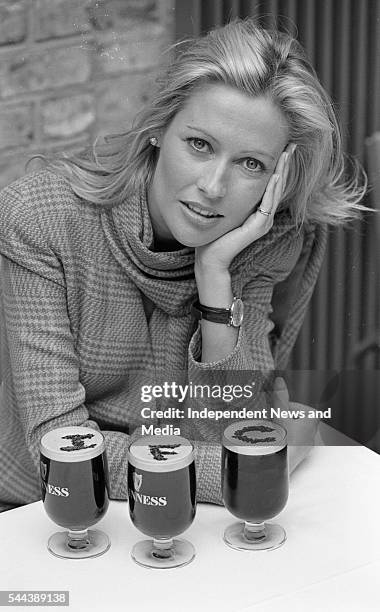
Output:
x,y
159,139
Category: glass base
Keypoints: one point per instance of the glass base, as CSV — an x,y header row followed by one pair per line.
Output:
x,y
272,537
181,553
94,544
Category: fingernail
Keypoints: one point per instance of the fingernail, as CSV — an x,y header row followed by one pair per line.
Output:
x,y
279,384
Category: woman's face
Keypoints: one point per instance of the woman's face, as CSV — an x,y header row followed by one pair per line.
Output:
x,y
215,160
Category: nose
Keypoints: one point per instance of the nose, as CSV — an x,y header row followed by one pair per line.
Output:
x,y
212,180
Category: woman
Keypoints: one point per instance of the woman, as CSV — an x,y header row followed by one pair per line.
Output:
x,y
129,265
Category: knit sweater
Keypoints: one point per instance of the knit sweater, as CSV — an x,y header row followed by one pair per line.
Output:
x,y
77,347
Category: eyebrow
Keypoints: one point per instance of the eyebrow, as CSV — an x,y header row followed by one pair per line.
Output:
x,y
255,152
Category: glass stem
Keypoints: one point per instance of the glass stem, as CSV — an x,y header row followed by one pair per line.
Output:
x,y
163,548
78,539
254,531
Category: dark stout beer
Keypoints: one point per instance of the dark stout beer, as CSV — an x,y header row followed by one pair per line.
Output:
x,y
254,470
74,486
161,490
74,476
161,485
254,483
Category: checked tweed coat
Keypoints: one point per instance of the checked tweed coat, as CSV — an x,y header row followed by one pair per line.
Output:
x,y
77,344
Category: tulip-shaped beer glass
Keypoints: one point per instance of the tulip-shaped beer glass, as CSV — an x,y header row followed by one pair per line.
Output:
x,y
254,483
74,480
161,490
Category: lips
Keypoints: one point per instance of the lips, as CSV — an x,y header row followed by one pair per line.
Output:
x,y
202,211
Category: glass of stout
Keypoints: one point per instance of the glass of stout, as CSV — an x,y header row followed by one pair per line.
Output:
x,y
161,491
74,483
255,483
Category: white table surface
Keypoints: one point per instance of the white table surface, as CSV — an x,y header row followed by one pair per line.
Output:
x,y
330,561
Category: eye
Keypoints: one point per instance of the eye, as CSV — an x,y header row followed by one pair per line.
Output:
x,y
198,144
253,165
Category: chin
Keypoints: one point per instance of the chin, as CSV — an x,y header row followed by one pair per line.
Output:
x,y
192,242
193,239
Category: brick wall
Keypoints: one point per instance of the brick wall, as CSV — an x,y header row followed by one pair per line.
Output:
x,y
72,69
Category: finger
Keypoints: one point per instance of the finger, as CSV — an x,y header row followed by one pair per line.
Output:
x,y
286,162
274,190
280,384
291,147
268,198
283,171
280,394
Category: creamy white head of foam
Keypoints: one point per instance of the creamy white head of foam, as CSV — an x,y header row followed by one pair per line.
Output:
x,y
161,453
253,437
72,444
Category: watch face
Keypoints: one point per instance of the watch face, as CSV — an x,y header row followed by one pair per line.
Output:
x,y
237,312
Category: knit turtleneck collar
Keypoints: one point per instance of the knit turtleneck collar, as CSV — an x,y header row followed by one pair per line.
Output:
x,y
167,278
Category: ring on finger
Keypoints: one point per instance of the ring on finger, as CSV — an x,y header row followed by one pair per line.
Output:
x,y
267,213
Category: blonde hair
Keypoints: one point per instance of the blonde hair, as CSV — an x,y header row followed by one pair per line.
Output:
x,y
258,62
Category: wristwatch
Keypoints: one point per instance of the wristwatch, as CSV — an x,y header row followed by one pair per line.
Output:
x,y
232,316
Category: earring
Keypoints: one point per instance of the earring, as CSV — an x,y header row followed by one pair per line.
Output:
x,y
153,141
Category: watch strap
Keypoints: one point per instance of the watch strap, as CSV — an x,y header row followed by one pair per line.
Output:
x,y
215,315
